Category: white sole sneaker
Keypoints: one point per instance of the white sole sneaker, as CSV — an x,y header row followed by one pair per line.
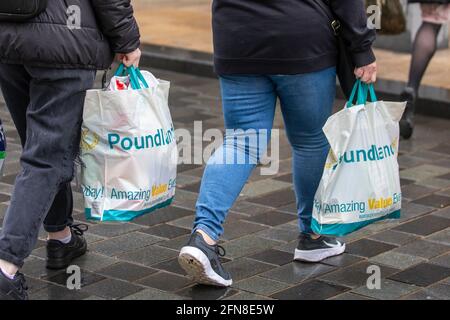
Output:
x,y
197,265
318,254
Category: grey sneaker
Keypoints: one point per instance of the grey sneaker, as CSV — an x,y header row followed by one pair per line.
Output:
x,y
201,261
311,250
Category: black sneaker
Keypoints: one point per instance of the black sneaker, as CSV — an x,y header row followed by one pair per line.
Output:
x,y
311,250
60,255
15,289
407,121
201,261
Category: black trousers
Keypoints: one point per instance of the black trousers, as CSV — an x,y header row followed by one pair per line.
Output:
x,y
46,106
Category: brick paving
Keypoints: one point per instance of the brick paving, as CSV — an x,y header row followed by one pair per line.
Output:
x,y
138,260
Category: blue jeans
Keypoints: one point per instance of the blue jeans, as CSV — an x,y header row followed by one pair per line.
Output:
x,y
46,106
249,102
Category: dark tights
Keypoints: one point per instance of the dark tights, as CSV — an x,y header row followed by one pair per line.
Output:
x,y
424,48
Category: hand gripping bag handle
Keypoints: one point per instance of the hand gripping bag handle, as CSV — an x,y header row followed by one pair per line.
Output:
x,y
136,77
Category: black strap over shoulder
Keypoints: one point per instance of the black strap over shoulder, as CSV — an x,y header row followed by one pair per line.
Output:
x,y
21,10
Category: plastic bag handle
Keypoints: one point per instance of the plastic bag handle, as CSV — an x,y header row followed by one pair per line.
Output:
x,y
361,90
135,75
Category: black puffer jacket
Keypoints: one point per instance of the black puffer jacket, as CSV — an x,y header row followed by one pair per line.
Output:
x,y
430,1
106,27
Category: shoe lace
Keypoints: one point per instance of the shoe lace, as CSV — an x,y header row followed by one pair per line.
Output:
x,y
79,229
220,251
22,281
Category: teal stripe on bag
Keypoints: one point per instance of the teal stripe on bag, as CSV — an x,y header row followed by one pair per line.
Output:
x,y
125,215
343,229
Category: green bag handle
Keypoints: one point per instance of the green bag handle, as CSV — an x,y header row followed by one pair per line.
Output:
x,y
136,77
361,90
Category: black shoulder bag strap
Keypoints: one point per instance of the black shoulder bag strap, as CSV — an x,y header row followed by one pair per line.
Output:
x,y
345,66
21,10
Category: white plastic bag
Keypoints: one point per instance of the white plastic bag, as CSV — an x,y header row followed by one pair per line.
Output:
x,y
360,183
128,149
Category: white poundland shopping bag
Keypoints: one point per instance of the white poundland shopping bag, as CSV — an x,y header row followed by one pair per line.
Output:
x,y
360,183
128,149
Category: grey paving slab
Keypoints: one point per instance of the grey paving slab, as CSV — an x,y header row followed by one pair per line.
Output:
x,y
423,248
153,294
244,268
247,245
356,275
165,281
389,290
124,243
394,237
273,257
166,231
113,229
55,292
397,260
440,291
149,256
311,290
247,296
126,271
350,296
425,225
112,289
422,275
442,237
368,248
296,272
202,292
280,233
443,260
260,285
238,228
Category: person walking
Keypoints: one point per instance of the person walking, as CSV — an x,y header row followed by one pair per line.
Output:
x,y
435,13
46,65
264,50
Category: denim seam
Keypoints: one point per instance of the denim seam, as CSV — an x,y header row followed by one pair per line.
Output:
x,y
11,259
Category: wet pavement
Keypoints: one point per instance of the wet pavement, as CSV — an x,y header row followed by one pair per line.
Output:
x,y
138,260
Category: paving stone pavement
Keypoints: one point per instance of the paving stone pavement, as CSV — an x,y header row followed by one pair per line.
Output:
x,y
137,260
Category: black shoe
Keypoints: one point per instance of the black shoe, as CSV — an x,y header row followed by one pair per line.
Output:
x,y
201,261
315,250
60,255
15,289
407,121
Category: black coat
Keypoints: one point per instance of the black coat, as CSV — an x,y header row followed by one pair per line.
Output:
x,y
287,36
429,1
106,27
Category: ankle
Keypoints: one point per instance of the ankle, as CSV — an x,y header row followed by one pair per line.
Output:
x,y
314,236
206,237
60,235
8,268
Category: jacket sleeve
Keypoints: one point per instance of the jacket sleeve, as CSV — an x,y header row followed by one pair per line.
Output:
x,y
356,34
117,23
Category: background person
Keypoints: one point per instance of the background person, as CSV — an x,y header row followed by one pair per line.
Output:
x,y
45,69
435,13
264,50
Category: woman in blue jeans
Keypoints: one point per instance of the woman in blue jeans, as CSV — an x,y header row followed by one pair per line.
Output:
x,y
264,51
